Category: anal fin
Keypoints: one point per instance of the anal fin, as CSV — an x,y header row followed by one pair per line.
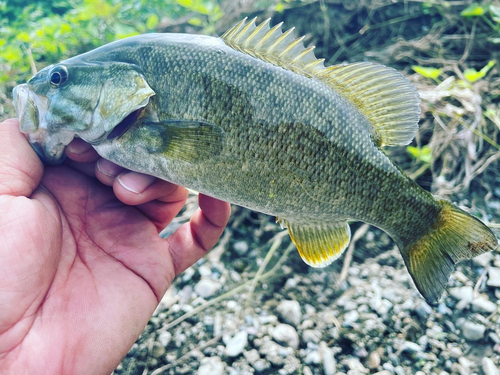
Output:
x,y
319,244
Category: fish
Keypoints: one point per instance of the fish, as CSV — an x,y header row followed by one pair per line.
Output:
x,y
255,119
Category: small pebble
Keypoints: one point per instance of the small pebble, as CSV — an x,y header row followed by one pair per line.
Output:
x,y
158,350
312,358
286,334
489,367
329,362
473,331
164,338
483,260
411,347
493,277
252,356
207,287
236,345
290,312
311,335
482,305
211,366
241,247
374,360
261,365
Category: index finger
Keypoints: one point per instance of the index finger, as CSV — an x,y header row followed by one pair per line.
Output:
x,y
194,239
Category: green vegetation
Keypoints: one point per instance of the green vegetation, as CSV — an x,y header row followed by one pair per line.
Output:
x,y
45,32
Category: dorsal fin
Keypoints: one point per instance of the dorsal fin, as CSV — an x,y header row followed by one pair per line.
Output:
x,y
383,95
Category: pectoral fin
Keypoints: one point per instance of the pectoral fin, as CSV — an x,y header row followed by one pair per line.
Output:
x,y
319,244
183,140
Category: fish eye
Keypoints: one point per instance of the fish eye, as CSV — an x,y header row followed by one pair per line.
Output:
x,y
58,76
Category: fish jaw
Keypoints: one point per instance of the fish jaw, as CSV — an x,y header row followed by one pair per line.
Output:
x,y
31,109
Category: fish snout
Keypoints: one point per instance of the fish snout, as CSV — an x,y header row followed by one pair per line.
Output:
x,y
26,109
31,110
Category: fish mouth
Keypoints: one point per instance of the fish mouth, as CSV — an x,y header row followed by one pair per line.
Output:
x,y
125,124
31,109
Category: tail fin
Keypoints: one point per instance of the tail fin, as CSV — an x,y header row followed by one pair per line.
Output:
x,y
455,236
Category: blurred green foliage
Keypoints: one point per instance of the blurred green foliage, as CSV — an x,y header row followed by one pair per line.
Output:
x,y
44,32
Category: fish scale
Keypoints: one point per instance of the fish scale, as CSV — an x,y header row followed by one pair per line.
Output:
x,y
253,118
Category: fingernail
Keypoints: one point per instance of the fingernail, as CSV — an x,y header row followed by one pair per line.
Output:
x,y
136,182
108,168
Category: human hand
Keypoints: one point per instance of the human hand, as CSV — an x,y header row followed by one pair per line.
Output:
x,y
82,267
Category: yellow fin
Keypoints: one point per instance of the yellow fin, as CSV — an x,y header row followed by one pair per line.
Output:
x,y
455,236
319,244
387,99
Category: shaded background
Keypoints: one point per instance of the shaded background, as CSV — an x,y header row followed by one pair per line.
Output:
x,y
253,293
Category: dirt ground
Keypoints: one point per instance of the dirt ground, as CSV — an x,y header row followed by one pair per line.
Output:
x,y
252,306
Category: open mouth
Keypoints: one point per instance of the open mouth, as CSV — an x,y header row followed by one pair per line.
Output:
x,y
125,124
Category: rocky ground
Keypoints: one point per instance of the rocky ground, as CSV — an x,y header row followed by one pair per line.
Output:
x,y
246,310
300,320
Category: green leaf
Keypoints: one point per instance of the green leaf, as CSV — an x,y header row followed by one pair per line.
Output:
x,y
185,3
152,21
427,72
423,154
23,37
472,75
194,21
280,7
473,10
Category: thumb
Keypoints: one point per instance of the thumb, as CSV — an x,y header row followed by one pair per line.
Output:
x,y
20,168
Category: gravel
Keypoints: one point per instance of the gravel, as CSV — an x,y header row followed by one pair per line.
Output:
x,y
299,322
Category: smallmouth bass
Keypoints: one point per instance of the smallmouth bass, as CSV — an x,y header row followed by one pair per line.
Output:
x,y
253,118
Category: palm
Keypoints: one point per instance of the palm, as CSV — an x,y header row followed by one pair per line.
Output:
x,y
82,272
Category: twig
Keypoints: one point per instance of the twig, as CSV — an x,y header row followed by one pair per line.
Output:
x,y
348,256
229,293
278,238
160,370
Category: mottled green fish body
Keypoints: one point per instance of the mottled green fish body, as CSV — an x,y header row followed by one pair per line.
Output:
x,y
255,119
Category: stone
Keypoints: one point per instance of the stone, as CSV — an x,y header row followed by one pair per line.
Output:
x,y
374,360
350,318
241,247
286,334
290,312
158,350
356,366
236,344
329,362
411,347
313,358
489,367
311,335
473,331
493,277
483,260
482,305
164,338
211,366
261,365
383,372
252,356
207,287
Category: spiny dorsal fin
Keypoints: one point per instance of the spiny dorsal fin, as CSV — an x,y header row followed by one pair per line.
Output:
x,y
383,95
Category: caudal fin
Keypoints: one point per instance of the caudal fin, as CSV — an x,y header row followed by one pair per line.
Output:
x,y
455,236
